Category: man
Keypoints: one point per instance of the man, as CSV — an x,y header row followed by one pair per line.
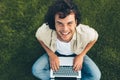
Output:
x,y
62,34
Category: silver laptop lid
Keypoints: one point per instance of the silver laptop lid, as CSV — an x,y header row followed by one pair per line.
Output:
x,y
66,61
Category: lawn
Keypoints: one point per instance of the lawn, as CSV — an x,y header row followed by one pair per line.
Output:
x,y
19,49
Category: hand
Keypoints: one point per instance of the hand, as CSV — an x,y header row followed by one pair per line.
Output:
x,y
54,62
77,64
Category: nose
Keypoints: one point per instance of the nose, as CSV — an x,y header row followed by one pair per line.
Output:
x,y
65,28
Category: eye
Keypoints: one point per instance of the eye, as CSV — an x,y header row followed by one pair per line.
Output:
x,y
70,23
59,24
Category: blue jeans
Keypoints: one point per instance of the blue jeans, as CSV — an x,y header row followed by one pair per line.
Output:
x,y
41,69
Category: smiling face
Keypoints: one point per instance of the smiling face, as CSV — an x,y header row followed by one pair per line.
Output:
x,y
65,27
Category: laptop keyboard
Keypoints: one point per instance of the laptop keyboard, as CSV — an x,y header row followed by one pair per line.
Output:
x,y
65,71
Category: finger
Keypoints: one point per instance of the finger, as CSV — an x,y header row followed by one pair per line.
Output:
x,y
77,67
52,66
55,68
57,65
74,66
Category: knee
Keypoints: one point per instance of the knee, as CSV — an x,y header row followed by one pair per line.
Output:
x,y
96,75
34,70
41,74
37,73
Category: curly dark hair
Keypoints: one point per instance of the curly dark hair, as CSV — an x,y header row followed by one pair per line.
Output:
x,y
63,8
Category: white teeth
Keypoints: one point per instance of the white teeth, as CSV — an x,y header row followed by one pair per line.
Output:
x,y
65,33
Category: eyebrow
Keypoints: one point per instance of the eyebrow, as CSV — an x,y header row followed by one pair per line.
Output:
x,y
59,22
62,23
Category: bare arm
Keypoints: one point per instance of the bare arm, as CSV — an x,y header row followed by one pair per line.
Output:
x,y
79,58
54,60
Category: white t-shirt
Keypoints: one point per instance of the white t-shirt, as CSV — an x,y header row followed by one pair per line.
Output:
x,y
64,48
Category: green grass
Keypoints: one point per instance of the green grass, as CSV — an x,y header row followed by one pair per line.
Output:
x,y
19,49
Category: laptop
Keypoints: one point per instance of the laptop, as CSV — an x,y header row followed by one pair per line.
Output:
x,y
65,69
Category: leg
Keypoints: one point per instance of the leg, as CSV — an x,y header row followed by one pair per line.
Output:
x,y
41,68
90,70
